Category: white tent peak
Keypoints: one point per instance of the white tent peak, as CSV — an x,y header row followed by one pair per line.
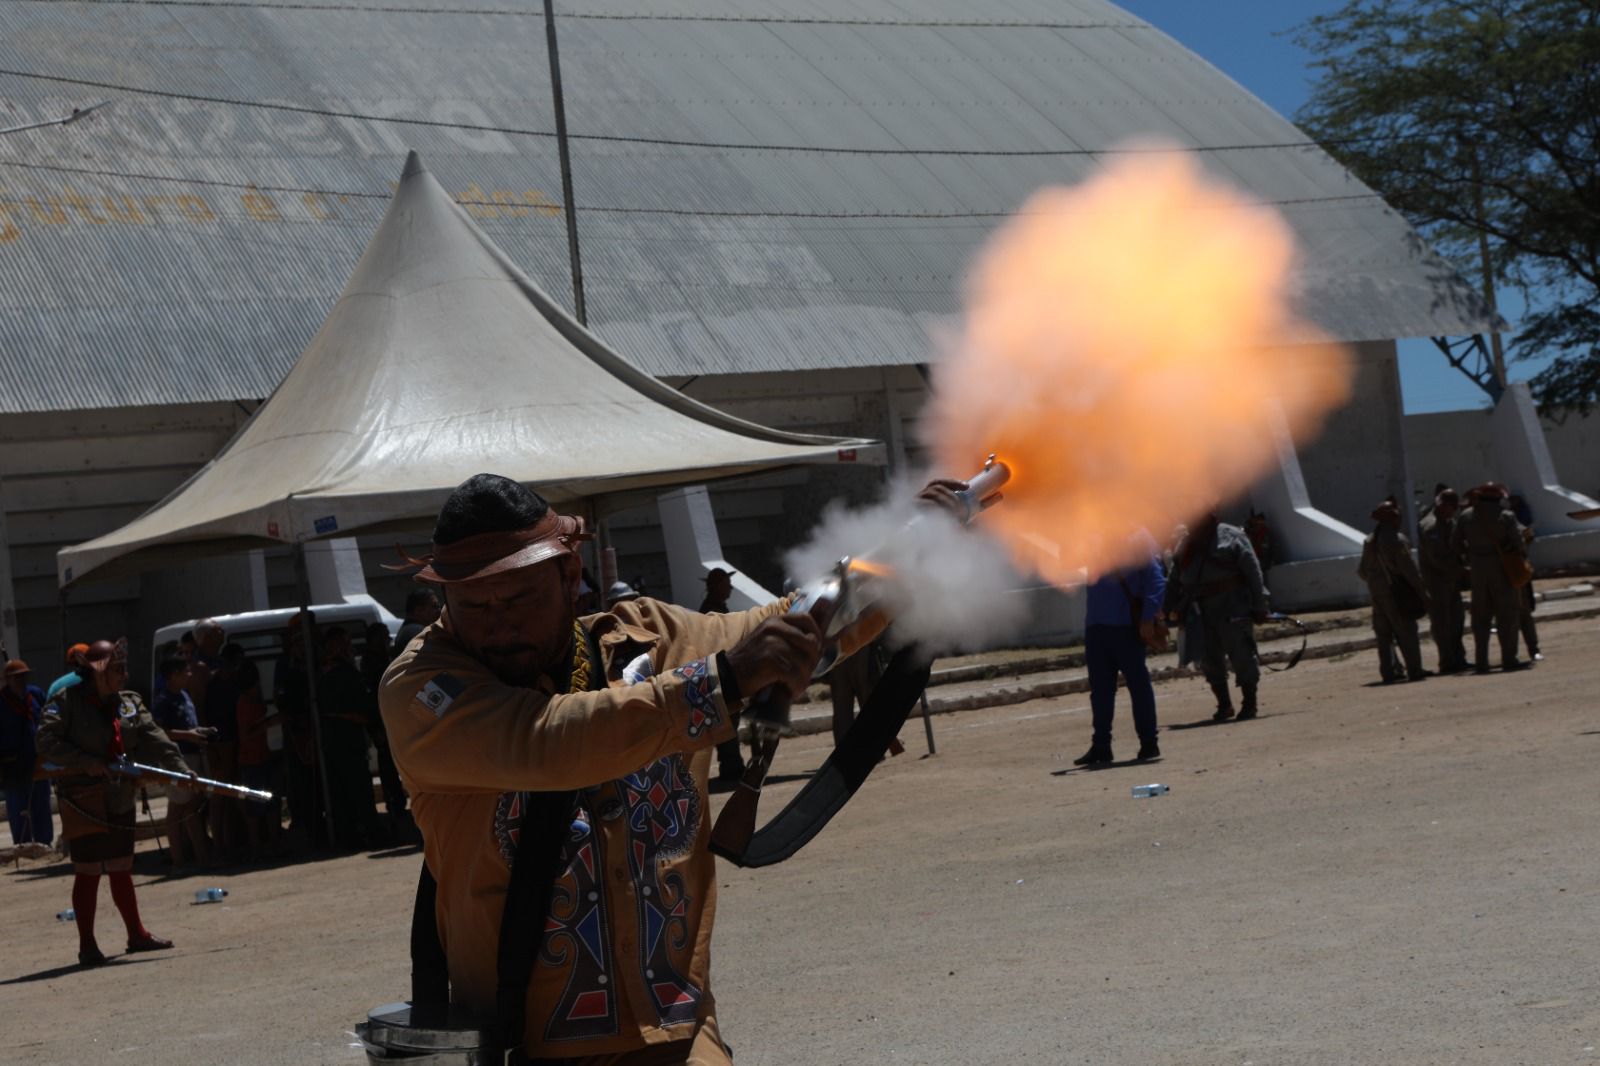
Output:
x,y
439,360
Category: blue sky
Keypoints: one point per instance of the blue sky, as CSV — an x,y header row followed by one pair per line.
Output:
x,y
1249,41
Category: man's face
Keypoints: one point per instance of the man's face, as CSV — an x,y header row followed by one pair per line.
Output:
x,y
113,679
1446,509
17,683
719,587
210,641
425,612
518,624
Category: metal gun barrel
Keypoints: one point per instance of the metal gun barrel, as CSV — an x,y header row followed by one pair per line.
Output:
x,y
128,768
850,624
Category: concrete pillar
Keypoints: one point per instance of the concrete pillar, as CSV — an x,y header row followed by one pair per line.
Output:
x,y
8,596
694,548
1523,459
1317,553
1300,531
1522,462
334,570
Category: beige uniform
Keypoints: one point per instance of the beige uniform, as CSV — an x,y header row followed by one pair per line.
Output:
x,y
76,732
1485,533
1441,573
1386,561
624,964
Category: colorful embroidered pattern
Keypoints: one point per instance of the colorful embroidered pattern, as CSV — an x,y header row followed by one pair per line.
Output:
x,y
700,690
577,936
663,812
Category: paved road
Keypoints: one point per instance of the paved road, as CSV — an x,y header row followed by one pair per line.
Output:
x,y
1403,874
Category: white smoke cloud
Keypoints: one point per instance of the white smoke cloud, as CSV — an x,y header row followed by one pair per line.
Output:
x,y
953,587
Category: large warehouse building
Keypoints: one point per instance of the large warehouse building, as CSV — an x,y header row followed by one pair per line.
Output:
x,y
775,202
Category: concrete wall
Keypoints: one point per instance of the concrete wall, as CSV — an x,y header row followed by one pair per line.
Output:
x,y
1456,447
71,476
1360,456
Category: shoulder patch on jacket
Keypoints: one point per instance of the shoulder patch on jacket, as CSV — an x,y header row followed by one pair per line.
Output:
x,y
439,693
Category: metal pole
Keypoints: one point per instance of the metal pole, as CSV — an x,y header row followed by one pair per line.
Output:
x,y
568,207
927,724
309,648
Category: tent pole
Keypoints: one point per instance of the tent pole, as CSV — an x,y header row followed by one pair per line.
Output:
x,y
568,207
309,647
61,622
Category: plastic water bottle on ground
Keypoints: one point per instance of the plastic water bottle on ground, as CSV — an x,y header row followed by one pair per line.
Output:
x,y
68,915
1145,791
210,895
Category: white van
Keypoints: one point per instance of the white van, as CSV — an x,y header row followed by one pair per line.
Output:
x,y
262,633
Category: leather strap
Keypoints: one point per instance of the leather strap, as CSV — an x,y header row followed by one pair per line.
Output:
x,y
735,837
430,973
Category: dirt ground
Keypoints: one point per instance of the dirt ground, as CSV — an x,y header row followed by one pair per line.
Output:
x,y
1403,874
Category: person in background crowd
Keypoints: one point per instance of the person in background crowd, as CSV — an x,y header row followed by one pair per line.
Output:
x,y
1169,551
1216,591
343,706
27,800
376,655
1386,563
730,757
174,712
619,592
588,593
1442,574
1255,527
291,694
84,728
258,763
215,689
1121,621
1428,505
1525,599
73,675
422,610
1487,535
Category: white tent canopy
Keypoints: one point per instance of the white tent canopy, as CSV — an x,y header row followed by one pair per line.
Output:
x,y
440,360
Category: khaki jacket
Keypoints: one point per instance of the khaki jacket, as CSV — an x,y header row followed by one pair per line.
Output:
x,y
625,959
1386,558
1485,531
75,733
1440,561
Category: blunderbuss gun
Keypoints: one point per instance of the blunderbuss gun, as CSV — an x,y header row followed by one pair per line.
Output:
x,y
850,605
139,771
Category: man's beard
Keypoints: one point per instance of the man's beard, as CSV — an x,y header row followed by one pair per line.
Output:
x,y
522,665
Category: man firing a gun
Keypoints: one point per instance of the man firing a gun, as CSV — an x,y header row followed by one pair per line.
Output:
x,y
85,730
559,768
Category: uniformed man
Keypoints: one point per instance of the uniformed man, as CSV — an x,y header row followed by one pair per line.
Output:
x,y
1442,572
510,694
1216,588
1487,534
1394,582
85,727
1525,598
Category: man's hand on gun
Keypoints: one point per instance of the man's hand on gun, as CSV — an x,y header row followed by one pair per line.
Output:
x,y
781,651
941,493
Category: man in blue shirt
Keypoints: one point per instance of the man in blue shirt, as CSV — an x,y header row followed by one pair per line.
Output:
x,y
27,800
1123,612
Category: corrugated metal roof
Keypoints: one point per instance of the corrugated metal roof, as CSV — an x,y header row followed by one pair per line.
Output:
x,y
139,266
